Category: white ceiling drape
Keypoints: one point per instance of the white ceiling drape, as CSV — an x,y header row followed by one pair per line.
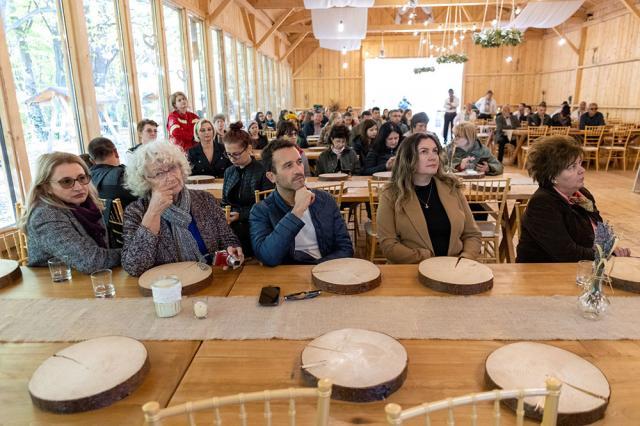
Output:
x,y
545,14
326,4
341,44
325,23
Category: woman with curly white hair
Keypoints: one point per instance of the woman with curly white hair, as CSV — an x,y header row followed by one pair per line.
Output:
x,y
170,223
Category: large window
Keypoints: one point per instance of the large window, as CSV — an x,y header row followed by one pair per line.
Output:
x,y
7,194
39,60
230,71
145,45
175,50
265,84
200,91
217,65
253,108
273,96
242,81
109,76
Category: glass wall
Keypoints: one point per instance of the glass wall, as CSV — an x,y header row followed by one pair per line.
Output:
x,y
265,84
217,66
242,81
148,68
7,194
199,80
109,76
175,50
230,70
253,108
39,61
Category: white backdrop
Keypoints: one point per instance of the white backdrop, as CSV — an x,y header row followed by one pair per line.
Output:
x,y
387,81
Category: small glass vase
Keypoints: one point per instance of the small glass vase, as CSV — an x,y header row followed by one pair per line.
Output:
x,y
593,303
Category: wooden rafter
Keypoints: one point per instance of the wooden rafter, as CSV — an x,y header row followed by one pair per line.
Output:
x,y
388,28
286,4
274,27
304,62
218,10
569,42
295,43
298,17
249,25
630,4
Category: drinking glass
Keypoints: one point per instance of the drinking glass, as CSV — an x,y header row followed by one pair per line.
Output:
x,y
584,273
60,270
102,284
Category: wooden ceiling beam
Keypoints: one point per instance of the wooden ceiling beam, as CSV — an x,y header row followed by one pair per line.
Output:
x,y
571,45
298,17
287,4
388,28
249,22
218,10
275,27
294,45
306,59
630,4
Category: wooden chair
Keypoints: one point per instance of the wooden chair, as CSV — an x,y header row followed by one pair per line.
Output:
x,y
591,140
635,147
520,208
616,146
551,393
533,133
153,414
558,131
227,214
116,219
614,120
14,246
488,202
270,134
371,227
261,195
336,190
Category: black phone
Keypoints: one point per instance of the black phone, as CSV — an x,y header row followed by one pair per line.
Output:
x,y
483,160
269,296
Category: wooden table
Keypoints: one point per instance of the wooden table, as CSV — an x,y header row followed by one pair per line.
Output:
x,y
190,370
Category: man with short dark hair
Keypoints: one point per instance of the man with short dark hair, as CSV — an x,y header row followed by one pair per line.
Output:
x,y
540,118
147,130
314,127
592,117
295,224
450,110
419,122
375,115
107,174
395,116
487,106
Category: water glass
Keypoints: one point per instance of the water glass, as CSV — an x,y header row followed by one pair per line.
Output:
x,y
60,270
584,273
102,284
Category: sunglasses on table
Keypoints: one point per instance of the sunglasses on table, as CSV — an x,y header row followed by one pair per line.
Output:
x,y
69,182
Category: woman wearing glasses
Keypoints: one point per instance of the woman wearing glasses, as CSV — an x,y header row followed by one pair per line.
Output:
x,y
207,157
241,181
63,217
170,223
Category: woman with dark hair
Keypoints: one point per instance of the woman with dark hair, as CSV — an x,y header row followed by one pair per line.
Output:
x,y
241,181
207,157
268,120
363,142
422,212
405,121
562,118
289,131
560,220
181,121
338,157
385,114
259,118
258,140
383,153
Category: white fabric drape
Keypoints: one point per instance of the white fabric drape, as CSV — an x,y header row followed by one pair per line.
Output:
x,y
326,4
325,23
545,14
341,44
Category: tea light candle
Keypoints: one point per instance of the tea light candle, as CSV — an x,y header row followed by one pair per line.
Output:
x,y
167,294
200,309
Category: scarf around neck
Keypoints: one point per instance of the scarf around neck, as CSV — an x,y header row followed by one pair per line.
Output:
x,y
179,217
90,217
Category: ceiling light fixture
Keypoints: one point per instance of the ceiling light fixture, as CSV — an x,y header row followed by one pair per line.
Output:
x,y
345,65
562,41
509,59
341,26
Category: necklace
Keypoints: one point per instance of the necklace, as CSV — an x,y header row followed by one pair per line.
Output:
x,y
426,203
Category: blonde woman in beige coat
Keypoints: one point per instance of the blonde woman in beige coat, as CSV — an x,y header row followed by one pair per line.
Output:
x,y
423,213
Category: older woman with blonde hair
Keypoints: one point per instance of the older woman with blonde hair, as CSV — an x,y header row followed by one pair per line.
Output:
x,y
207,157
64,218
466,152
335,119
422,212
169,222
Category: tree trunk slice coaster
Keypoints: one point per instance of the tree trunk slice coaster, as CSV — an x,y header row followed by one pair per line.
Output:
x,y
200,179
382,176
465,278
89,375
346,276
470,174
9,272
333,177
625,273
363,365
585,391
194,276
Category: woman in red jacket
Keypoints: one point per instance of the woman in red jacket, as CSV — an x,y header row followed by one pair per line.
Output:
x,y
180,122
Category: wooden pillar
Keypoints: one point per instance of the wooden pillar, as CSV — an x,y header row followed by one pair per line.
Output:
x,y
188,60
579,67
162,50
208,66
129,63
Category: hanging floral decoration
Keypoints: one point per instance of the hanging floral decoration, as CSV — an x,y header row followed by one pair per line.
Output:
x,y
452,58
496,37
423,69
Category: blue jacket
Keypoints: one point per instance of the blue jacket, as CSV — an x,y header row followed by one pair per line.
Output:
x,y
274,228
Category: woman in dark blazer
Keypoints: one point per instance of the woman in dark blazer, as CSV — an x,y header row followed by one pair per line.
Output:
x,y
207,157
383,153
559,223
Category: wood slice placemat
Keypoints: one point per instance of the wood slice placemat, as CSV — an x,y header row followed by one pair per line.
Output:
x,y
468,277
194,276
200,179
333,177
382,176
585,391
346,276
363,365
9,272
89,375
625,273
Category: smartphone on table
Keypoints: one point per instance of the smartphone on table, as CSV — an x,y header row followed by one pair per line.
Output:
x,y
269,296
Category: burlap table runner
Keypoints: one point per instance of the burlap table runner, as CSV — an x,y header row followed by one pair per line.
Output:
x,y
238,318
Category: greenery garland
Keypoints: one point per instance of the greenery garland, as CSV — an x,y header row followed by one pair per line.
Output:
x,y
452,58
496,37
423,69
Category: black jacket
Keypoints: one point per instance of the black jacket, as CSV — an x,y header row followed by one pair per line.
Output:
x,y
361,149
201,166
560,121
596,120
535,120
240,185
376,161
260,143
109,181
328,162
555,231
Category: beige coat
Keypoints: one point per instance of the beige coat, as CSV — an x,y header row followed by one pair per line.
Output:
x,y
403,234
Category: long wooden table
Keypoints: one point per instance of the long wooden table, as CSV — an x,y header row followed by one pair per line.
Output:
x,y
189,370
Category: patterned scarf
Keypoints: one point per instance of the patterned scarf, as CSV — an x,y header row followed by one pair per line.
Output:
x,y
179,217
90,217
582,201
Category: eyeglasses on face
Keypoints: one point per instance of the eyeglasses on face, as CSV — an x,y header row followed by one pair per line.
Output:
x,y
162,174
69,182
234,155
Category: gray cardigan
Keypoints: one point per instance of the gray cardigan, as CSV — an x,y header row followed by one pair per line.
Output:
x,y
55,232
142,250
